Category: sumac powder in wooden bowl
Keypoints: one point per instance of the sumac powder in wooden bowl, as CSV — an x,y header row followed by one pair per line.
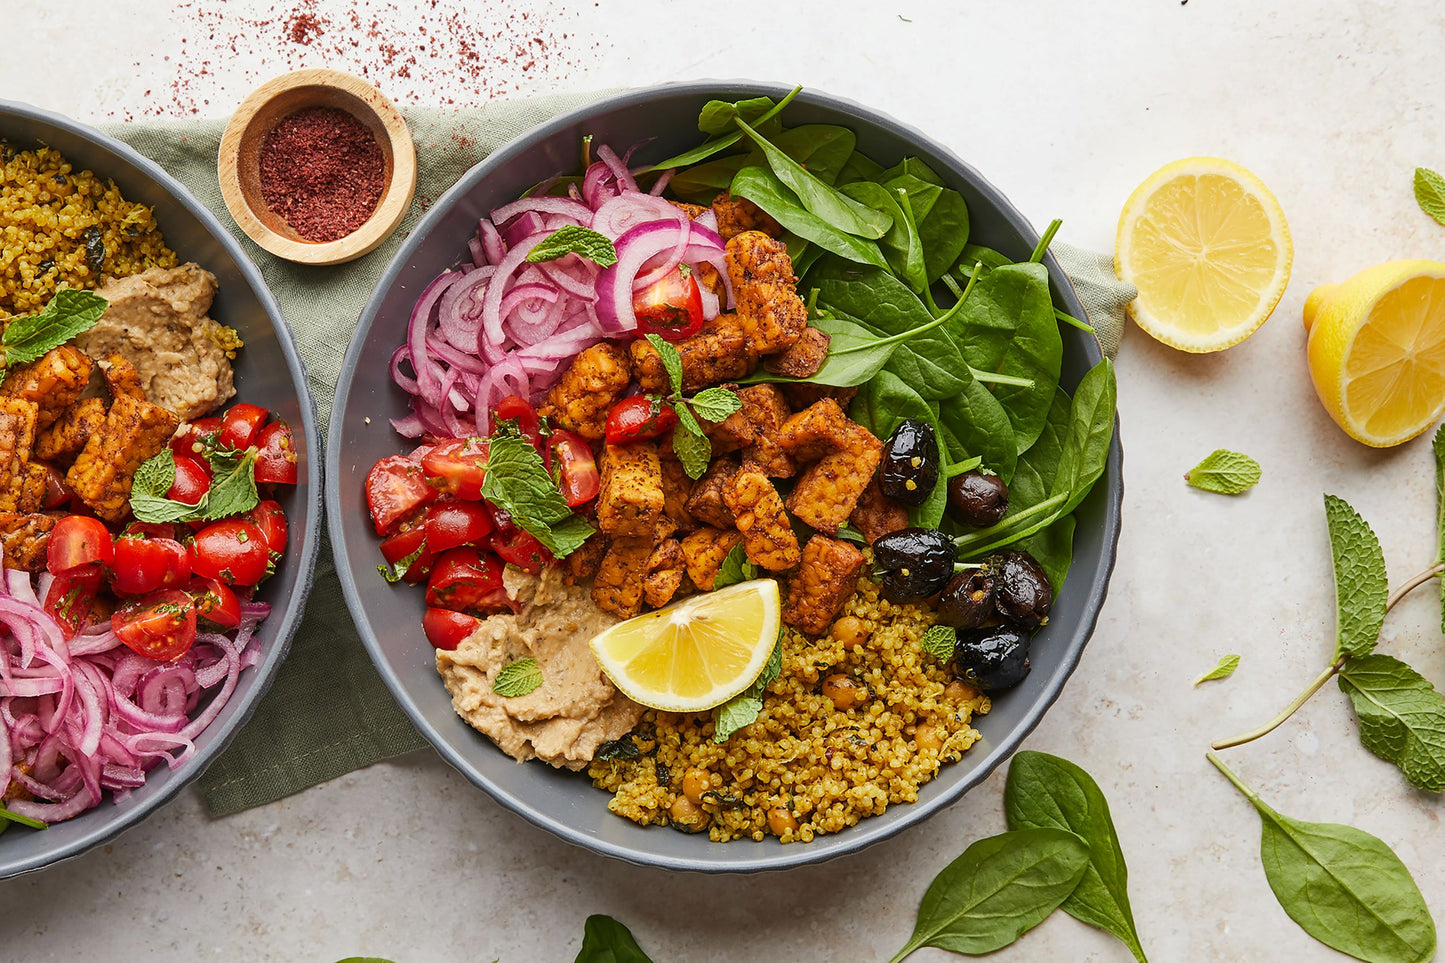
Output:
x,y
317,167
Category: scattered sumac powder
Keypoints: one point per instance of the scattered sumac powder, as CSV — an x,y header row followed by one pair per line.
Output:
x,y
323,172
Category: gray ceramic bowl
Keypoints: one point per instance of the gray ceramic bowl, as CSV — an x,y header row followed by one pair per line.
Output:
x,y
390,617
268,373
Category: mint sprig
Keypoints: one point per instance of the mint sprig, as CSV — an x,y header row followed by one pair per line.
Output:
x,y
573,239
689,441
518,483
232,491
743,708
70,313
517,678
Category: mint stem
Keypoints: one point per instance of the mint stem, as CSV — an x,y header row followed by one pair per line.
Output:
x,y
1329,673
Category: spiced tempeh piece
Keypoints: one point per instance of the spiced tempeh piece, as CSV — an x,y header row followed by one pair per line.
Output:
x,y
134,430
62,441
53,382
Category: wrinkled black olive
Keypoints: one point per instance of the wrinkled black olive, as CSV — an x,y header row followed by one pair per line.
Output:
x,y
968,601
914,563
996,658
977,498
909,470
94,248
1023,593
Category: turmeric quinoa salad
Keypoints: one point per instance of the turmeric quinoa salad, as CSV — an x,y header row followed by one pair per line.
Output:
x,y
742,480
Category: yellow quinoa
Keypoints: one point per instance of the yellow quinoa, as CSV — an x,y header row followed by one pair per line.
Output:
x,y
806,768
65,228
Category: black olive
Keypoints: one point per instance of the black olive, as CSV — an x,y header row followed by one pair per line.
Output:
x,y
977,498
914,563
1023,593
909,470
94,248
968,601
996,658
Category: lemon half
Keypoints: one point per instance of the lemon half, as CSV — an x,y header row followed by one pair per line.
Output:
x,y
1206,244
697,653
1377,350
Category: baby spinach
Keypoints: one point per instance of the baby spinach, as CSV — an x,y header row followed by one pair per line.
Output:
x,y
974,423
1044,792
823,149
1053,548
763,188
855,354
901,246
999,889
1401,717
716,116
1342,886
722,142
886,402
1033,480
860,167
1091,430
817,197
702,183
929,513
604,940
1361,590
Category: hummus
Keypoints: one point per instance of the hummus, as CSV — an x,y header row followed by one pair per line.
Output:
x,y
575,709
157,320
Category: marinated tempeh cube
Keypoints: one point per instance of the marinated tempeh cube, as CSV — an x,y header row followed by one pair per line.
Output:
x,y
706,503
768,307
804,357
877,515
717,353
584,561
122,378
738,214
619,585
664,573
630,501
591,386
133,431
62,441
767,411
24,538
817,430
828,491
767,535
53,382
676,488
822,585
703,552
17,438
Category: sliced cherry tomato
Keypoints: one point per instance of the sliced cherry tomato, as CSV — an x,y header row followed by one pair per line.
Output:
x,y
144,565
78,540
522,550
451,523
394,487
670,307
639,418
518,409
192,482
577,475
193,440
446,629
270,518
465,580
215,602
57,492
240,425
161,626
71,598
458,467
276,462
233,551
407,550
149,530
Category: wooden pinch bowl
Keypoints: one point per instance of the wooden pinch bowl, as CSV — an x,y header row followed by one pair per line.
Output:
x,y
239,163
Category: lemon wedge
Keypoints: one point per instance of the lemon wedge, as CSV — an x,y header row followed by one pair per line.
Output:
x,y
697,653
1206,244
1377,350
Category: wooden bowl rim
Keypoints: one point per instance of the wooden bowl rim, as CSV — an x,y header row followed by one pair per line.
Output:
x,y
394,203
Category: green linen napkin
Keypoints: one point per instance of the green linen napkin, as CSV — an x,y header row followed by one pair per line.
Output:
x,y
328,711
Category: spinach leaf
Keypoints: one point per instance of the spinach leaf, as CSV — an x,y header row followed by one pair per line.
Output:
x,y
900,245
1342,886
942,216
717,116
1401,716
604,940
702,183
1360,587
1033,480
929,514
1223,669
721,143
1008,327
885,402
913,167
1044,791
974,423
859,167
762,187
818,198
999,889
1053,549
855,354
823,149
1091,428
974,254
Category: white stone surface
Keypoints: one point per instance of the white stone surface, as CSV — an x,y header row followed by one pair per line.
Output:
x,y
1065,106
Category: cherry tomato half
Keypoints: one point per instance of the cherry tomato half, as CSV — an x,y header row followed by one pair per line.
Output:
x,y
192,482
446,629
78,540
215,602
394,487
240,425
577,475
145,565
639,418
465,580
71,598
670,307
270,518
57,492
451,523
276,461
193,440
407,548
458,467
161,626
233,551
523,550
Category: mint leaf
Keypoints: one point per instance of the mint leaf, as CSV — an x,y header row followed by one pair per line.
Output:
x,y
1430,193
1360,586
1222,670
395,573
69,313
692,447
517,482
232,491
715,404
743,708
735,568
939,641
1224,472
233,484
671,361
1401,716
573,239
517,678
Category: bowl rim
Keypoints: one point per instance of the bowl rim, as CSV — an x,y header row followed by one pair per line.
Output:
x,y
855,838
307,546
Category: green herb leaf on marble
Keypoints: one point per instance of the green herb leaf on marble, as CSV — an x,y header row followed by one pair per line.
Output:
x,y
1361,590
1224,472
604,940
1430,193
1401,717
1222,670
